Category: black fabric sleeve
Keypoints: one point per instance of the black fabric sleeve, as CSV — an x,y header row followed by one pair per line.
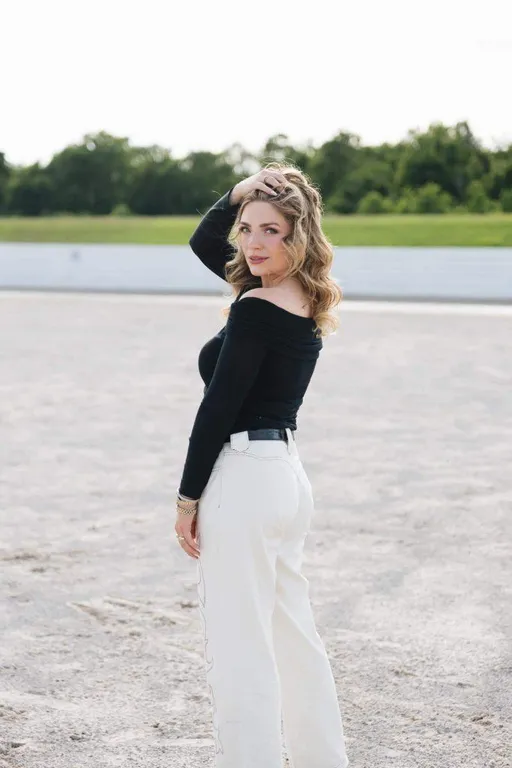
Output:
x,y
209,240
243,351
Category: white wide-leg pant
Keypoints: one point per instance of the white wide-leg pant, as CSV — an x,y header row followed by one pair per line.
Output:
x,y
264,657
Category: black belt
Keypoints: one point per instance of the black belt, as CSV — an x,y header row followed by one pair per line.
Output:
x,y
270,433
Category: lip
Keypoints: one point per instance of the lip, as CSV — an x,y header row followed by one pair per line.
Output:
x,y
257,259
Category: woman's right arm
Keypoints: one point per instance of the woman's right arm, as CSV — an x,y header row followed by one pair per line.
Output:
x,y
209,241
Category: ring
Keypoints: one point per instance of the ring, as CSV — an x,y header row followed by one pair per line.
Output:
x,y
180,538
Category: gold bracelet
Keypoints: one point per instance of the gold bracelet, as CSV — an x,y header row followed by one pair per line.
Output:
x,y
187,512
187,507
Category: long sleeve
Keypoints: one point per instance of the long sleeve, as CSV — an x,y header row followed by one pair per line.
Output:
x,y
209,240
243,351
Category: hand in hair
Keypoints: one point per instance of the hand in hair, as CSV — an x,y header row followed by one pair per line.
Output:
x,y
266,180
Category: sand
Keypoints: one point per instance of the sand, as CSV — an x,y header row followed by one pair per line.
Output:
x,y
406,436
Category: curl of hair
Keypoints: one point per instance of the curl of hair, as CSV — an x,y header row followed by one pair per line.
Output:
x,y
308,252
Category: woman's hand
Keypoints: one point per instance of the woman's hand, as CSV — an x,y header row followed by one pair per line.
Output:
x,y
267,181
186,525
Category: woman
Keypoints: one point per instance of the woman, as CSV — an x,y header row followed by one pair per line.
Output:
x,y
245,502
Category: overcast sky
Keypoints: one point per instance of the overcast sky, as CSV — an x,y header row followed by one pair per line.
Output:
x,y
202,75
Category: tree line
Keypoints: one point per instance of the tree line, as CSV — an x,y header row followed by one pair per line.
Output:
x,y
443,169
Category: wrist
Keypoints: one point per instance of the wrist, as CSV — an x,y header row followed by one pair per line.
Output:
x,y
235,195
188,507
185,498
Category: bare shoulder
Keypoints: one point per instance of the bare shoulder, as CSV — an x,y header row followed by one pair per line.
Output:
x,y
293,303
258,293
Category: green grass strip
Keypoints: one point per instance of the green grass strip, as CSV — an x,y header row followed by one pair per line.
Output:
x,y
390,230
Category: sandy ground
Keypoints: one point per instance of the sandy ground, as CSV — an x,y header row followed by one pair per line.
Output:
x,y
406,435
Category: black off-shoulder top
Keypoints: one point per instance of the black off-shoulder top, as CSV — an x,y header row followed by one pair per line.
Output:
x,y
256,369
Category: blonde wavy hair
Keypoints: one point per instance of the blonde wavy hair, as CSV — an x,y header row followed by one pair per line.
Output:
x,y
308,251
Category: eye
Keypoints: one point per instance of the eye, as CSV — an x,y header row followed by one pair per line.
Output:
x,y
243,229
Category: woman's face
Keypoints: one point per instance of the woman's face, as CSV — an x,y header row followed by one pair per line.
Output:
x,y
262,230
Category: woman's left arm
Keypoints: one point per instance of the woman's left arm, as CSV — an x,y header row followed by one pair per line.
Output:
x,y
239,362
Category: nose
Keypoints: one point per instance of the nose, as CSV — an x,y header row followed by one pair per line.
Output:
x,y
254,240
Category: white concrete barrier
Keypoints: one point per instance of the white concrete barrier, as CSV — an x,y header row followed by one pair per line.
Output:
x,y
463,274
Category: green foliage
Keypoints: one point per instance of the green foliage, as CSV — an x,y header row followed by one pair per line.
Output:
x,y
477,201
408,202
448,157
441,169
430,198
121,209
277,148
500,175
506,200
29,191
330,165
206,176
372,176
373,203
156,185
90,176
5,172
